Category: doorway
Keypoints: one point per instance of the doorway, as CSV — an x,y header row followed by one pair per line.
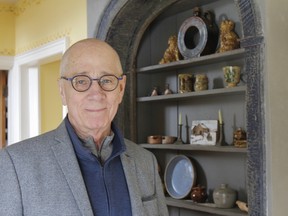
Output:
x,y
3,107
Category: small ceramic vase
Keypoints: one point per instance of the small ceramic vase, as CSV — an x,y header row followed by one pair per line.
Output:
x,y
224,197
198,194
167,90
154,92
232,75
201,82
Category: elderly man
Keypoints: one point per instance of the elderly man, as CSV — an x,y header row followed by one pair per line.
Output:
x,y
85,166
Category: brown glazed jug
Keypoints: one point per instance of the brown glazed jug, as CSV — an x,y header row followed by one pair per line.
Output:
x,y
198,194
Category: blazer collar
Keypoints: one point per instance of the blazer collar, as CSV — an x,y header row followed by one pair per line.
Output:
x,y
66,158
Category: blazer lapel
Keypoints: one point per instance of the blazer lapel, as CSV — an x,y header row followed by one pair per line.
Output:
x,y
131,177
67,160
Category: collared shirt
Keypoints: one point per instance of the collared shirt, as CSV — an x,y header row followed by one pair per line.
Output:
x,y
105,180
105,150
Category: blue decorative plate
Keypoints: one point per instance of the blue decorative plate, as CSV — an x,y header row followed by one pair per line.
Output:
x,y
179,177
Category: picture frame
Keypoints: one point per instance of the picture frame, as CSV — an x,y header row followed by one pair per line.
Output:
x,y
204,132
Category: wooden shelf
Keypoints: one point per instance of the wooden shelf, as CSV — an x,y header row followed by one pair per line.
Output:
x,y
203,60
188,147
206,93
205,207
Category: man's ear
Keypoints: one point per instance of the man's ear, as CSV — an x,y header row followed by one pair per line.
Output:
x,y
62,92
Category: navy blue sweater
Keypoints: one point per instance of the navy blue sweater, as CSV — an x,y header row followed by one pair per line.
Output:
x,y
106,183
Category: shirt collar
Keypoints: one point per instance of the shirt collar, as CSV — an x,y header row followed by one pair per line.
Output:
x,y
117,144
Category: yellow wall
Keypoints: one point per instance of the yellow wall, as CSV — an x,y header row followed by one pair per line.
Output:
x,y
42,21
31,23
50,101
7,26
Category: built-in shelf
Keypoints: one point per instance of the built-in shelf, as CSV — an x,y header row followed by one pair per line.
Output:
x,y
206,93
188,147
203,60
204,207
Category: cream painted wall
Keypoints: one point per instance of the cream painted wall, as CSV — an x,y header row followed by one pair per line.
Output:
x,y
276,36
50,101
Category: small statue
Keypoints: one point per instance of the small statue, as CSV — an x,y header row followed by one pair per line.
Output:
x,y
172,53
229,40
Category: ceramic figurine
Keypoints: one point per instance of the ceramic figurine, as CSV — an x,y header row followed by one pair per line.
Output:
x,y
242,205
172,52
229,40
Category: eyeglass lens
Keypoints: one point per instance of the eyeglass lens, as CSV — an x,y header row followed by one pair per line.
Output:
x,y
82,82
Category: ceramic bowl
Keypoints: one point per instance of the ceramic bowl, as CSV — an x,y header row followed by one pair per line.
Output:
x,y
168,139
179,177
154,139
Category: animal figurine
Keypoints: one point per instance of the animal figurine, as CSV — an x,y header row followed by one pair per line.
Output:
x,y
242,205
229,40
172,53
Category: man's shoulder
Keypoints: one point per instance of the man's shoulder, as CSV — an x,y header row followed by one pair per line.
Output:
x,y
136,150
38,141
30,144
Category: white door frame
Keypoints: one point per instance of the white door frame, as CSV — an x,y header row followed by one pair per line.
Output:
x,y
23,89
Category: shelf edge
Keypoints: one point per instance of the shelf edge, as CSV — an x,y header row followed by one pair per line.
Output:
x,y
189,147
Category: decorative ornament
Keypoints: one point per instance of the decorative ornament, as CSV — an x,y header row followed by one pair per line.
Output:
x,y
172,53
198,35
229,40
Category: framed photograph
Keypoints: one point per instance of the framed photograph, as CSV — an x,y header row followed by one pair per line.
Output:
x,y
204,132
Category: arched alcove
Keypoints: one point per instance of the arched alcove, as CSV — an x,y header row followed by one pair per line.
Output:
x,y
124,23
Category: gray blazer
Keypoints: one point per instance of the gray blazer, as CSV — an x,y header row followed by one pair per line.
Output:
x,y
41,177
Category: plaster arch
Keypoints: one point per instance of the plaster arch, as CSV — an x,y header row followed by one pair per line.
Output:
x,y
123,24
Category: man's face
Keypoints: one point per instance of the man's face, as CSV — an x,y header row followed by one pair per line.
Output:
x,y
94,109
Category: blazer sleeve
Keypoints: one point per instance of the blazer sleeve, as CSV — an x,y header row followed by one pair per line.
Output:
x,y
10,194
159,190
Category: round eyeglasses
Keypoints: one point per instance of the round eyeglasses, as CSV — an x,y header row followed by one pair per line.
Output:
x,y
82,83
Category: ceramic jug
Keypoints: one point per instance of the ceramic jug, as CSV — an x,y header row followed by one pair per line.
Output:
x,y
224,197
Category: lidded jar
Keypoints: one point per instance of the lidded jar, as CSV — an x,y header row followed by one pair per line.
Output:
x,y
185,83
224,197
201,82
